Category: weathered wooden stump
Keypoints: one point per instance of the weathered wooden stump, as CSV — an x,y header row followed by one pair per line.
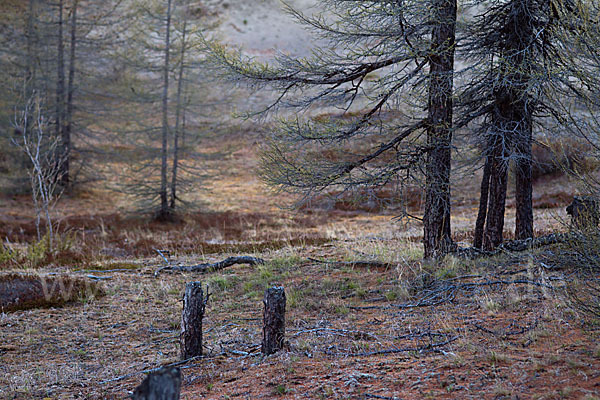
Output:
x,y
194,304
584,212
273,320
164,384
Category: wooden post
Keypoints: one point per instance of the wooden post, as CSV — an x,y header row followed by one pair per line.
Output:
x,y
164,384
273,320
191,320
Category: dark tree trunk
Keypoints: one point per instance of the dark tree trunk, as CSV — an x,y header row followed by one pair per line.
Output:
x,y
494,228
511,124
273,320
60,94
436,220
164,384
31,40
194,305
165,213
68,124
483,205
524,185
178,126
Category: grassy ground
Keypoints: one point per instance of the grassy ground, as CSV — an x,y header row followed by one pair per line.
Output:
x,y
492,328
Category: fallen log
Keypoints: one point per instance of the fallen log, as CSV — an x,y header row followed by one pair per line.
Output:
x,y
211,267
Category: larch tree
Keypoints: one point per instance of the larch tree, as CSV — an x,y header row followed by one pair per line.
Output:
x,y
516,72
161,54
385,73
54,51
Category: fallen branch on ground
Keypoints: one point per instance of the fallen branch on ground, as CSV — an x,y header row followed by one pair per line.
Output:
x,y
210,267
357,263
441,292
150,370
513,245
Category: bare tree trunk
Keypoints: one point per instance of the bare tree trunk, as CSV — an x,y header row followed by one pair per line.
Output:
x,y
68,124
165,212
60,91
177,117
273,320
164,384
483,205
29,73
524,183
512,124
436,220
497,195
194,305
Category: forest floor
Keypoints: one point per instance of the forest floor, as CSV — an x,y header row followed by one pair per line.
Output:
x,y
492,328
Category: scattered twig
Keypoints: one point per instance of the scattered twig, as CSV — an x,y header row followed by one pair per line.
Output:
x,y
147,371
210,267
100,271
98,278
375,396
505,334
420,349
341,332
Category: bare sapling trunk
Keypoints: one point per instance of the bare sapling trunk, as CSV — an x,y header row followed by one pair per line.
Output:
x,y
273,320
41,149
164,384
194,304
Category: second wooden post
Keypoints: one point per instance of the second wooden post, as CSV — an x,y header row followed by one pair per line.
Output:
x,y
191,321
273,320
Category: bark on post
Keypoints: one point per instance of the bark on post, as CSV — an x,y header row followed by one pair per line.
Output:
x,y
194,304
273,320
164,384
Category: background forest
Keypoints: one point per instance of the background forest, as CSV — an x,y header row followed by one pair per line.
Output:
x,y
402,169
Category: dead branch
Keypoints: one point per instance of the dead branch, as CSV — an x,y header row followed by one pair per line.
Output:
x,y
357,263
211,267
419,349
445,291
513,246
504,333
